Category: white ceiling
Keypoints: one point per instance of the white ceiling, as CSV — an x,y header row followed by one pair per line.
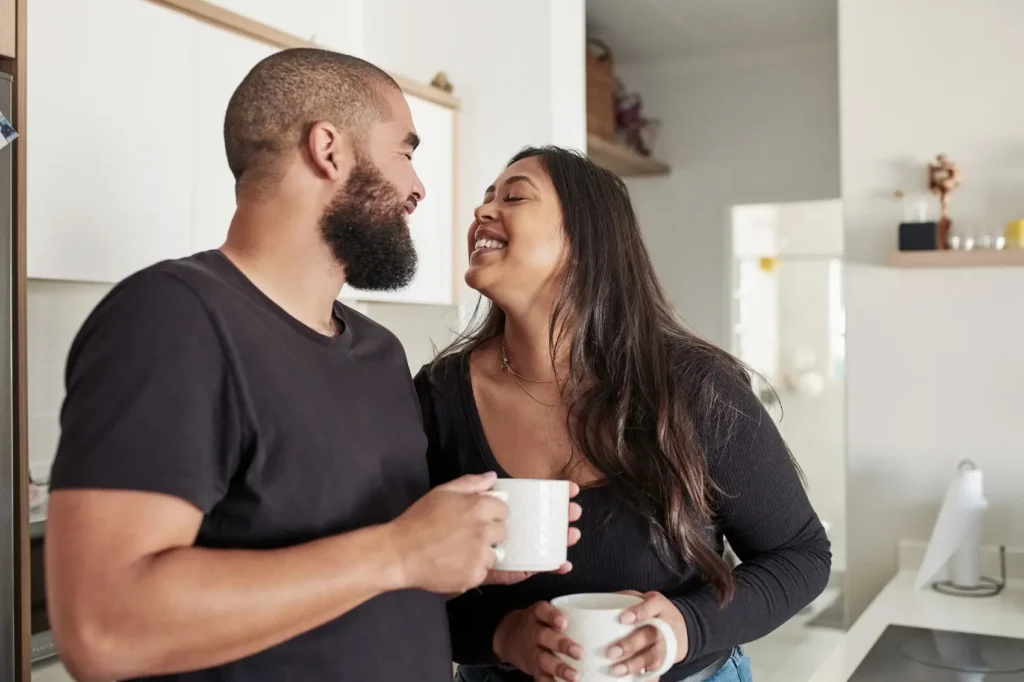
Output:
x,y
646,30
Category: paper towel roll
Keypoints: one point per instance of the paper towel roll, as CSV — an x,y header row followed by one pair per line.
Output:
x,y
956,538
965,566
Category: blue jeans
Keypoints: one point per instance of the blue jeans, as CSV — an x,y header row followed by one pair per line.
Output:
x,y
736,669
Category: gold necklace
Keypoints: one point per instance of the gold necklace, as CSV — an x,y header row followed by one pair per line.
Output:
x,y
505,367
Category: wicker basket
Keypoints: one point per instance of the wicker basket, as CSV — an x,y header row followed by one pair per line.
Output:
x,y
600,90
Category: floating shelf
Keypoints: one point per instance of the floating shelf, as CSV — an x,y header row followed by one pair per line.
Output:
x,y
621,160
977,258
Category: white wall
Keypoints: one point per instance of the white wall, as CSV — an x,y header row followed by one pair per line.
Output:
x,y
934,366
748,128
511,97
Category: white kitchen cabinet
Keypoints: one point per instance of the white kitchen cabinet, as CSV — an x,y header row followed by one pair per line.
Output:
x,y
334,24
224,59
431,224
110,133
126,160
295,17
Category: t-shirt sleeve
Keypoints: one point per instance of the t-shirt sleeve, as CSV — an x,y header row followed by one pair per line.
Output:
x,y
150,403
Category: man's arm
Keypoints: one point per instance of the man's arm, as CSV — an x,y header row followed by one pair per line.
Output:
x,y
136,597
130,595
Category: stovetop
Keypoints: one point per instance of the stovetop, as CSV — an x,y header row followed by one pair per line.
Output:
x,y
905,654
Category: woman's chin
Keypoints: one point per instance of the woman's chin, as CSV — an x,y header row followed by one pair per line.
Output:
x,y
477,278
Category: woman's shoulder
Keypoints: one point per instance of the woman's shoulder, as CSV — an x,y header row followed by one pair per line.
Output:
x,y
442,374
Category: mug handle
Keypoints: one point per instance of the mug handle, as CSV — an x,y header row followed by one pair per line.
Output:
x,y
671,648
499,551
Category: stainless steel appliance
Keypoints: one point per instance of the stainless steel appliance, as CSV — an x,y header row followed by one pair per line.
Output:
x,y
904,654
8,552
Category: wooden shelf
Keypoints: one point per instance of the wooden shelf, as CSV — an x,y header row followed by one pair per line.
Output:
x,y
621,160
977,258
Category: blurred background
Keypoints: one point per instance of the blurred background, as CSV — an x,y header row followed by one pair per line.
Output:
x,y
778,155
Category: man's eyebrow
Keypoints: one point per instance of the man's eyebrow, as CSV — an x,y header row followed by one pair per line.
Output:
x,y
412,140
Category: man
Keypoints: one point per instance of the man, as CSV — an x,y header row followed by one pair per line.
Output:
x,y
240,491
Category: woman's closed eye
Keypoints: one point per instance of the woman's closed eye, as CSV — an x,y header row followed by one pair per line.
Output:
x,y
512,198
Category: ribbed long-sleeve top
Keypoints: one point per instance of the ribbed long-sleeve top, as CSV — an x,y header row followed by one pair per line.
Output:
x,y
762,509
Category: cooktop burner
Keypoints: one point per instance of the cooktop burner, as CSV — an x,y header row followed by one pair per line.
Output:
x,y
905,654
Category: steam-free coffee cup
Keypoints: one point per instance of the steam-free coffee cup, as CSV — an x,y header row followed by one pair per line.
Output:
x,y
537,524
594,624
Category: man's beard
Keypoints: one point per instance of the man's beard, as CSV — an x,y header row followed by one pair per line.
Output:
x,y
368,230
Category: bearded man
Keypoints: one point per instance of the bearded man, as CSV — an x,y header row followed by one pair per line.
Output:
x,y
240,491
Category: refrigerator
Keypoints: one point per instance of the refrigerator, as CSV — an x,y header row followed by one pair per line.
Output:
x,y
9,552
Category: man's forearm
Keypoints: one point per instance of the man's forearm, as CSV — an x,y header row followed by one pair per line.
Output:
x,y
192,608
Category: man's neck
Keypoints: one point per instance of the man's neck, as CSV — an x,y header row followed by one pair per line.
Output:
x,y
290,265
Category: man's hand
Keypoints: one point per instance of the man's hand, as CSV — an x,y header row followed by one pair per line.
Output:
x,y
513,577
446,540
645,649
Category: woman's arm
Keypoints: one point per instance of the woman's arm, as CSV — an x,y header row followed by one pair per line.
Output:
x,y
764,512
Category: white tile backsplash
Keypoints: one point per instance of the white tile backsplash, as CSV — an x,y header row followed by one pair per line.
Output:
x,y
56,311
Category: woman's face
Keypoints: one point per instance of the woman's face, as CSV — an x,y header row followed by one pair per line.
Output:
x,y
516,242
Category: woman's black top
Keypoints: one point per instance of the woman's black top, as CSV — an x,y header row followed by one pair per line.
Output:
x,y
762,510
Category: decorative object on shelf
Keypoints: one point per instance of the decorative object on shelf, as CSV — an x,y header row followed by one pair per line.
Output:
x,y
441,82
918,236
1014,234
916,208
600,90
943,178
637,131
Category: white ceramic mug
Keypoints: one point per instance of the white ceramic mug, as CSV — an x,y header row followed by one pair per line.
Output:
x,y
594,624
537,525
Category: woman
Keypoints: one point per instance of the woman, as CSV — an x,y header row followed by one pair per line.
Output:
x,y
580,370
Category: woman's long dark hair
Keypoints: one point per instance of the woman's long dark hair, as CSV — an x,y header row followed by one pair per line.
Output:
x,y
645,392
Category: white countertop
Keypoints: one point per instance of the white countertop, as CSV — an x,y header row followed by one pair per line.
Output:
x,y
900,604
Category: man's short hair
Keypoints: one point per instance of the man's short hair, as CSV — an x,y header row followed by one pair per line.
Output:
x,y
284,95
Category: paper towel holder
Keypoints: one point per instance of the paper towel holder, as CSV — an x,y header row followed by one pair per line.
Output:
x,y
986,587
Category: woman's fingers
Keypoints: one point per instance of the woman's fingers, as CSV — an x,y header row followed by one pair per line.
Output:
x,y
553,640
551,665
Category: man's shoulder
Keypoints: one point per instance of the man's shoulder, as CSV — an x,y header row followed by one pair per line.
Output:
x,y
168,297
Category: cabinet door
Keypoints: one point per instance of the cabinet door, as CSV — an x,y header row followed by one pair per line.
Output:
x,y
224,59
112,127
431,224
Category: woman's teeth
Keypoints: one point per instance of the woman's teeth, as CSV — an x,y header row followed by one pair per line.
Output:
x,y
489,244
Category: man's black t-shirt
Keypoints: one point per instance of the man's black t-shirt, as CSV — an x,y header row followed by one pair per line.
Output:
x,y
186,380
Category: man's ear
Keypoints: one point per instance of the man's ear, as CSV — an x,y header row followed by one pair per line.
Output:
x,y
330,150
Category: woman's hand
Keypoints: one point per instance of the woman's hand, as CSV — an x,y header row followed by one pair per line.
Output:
x,y
645,649
529,640
513,577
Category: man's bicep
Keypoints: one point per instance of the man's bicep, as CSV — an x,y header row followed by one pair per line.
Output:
x,y
150,404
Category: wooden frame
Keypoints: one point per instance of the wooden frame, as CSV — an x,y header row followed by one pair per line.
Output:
x,y
19,348
250,28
